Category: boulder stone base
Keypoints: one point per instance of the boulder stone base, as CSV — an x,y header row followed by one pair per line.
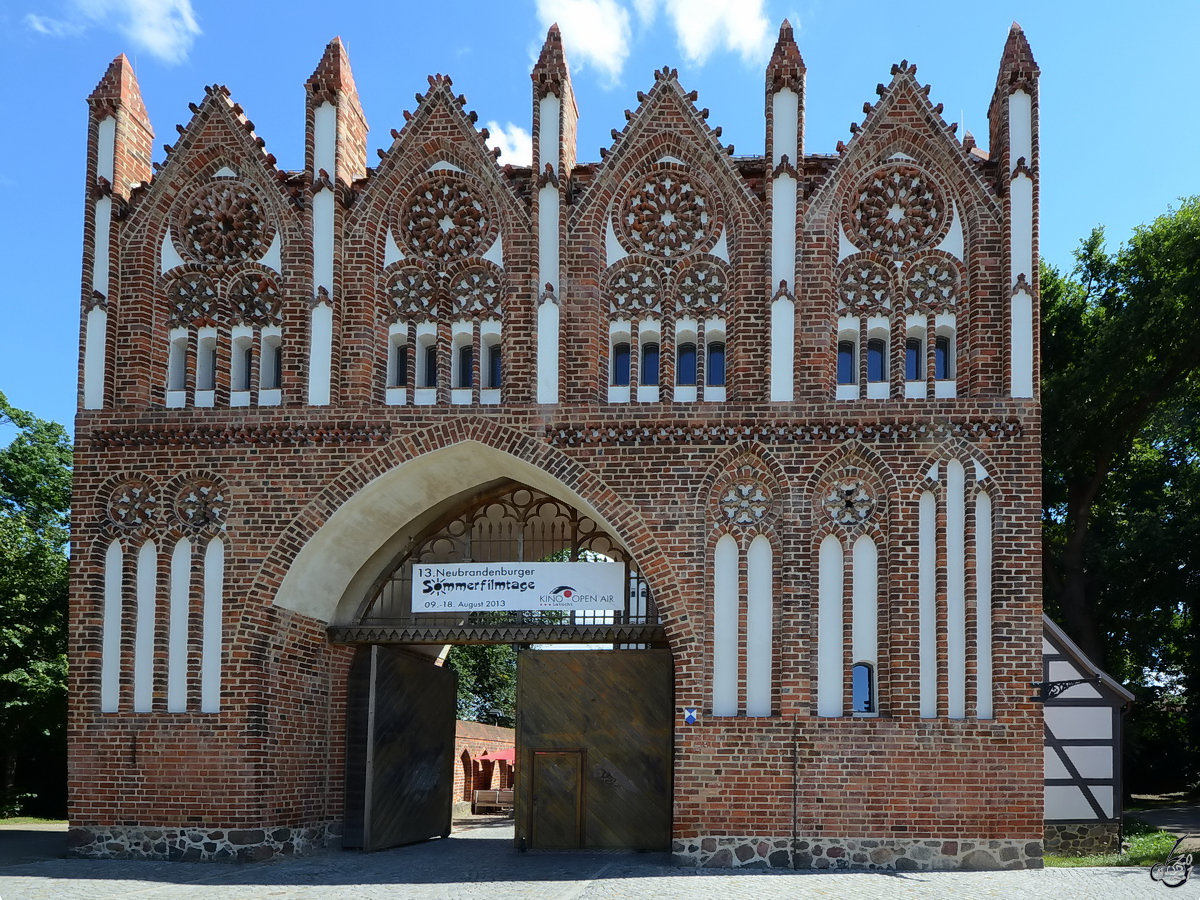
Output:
x,y
201,844
1083,838
722,852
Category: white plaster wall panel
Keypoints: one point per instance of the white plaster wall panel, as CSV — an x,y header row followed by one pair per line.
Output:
x,y
1021,224
548,214
956,611
1020,127
721,248
927,602
320,354
865,602
1064,801
102,219
271,258
391,252
785,113
106,136
177,625
322,223
1047,647
143,635
1071,722
725,628
225,172
845,248
983,605
783,232
613,251
783,348
549,112
759,615
547,353
1061,670
1021,326
169,257
214,601
110,642
443,165
1091,762
94,362
830,638
495,253
1053,764
325,139
952,243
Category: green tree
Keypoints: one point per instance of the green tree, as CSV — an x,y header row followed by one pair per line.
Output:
x,y
487,683
1120,353
35,500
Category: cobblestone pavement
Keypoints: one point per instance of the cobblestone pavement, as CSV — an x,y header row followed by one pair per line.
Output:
x,y
481,864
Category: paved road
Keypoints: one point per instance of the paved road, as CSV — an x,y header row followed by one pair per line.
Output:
x,y
481,865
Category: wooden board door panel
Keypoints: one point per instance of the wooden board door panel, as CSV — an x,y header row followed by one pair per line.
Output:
x,y
557,799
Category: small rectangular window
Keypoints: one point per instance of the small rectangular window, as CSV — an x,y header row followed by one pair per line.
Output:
x,y
271,376
863,689
714,370
876,360
466,366
620,364
914,359
685,366
649,373
493,366
430,366
943,359
399,366
845,363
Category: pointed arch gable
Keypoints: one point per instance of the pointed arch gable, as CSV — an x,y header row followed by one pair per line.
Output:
x,y
331,552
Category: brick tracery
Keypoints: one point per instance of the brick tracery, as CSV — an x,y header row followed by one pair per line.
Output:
x,y
446,217
223,222
897,209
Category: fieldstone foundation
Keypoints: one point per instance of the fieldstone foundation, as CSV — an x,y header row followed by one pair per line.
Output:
x,y
199,844
854,853
1083,838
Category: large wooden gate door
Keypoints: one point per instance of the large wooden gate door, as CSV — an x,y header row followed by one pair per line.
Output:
x,y
594,734
400,749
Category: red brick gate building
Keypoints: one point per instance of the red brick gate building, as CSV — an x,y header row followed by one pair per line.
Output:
x,y
795,394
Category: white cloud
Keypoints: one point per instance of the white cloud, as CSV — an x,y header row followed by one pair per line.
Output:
x,y
515,143
595,32
703,26
163,28
53,27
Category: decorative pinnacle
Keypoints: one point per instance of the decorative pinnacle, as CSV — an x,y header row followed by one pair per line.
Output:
x,y
786,68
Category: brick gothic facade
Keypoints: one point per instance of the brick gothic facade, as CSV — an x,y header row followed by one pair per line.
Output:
x,y
833,480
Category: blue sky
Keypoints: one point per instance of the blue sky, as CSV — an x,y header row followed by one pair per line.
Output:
x,y
1117,92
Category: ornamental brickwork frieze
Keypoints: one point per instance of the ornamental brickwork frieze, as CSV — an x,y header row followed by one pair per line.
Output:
x,y
896,209
933,283
865,286
444,223
200,503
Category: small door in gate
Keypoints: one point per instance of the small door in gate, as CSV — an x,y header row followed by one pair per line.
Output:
x,y
557,799
400,749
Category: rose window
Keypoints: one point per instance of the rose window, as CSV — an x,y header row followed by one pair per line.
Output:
x,y
413,293
133,504
202,503
192,298
666,216
634,290
224,223
744,503
898,210
865,286
255,299
849,502
477,290
702,285
444,219
933,285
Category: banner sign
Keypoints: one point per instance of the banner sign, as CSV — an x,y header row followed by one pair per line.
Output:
x,y
467,587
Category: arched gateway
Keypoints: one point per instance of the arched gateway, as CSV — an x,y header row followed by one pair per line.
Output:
x,y
789,400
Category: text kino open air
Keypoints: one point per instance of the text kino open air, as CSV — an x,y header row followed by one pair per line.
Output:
x,y
517,586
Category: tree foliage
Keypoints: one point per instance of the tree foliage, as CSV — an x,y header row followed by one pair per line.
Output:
x,y
487,683
1121,406
35,500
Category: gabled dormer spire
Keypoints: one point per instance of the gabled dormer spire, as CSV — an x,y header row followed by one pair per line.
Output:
x,y
331,92
125,151
786,68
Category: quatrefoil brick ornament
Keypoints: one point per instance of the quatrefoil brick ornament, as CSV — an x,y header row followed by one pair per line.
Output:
x,y
745,503
666,214
897,210
202,503
133,504
849,501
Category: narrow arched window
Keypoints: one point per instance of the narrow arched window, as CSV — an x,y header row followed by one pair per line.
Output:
x,y
943,358
431,378
914,359
620,364
466,365
876,360
206,365
271,376
399,366
845,363
685,365
649,372
863,688
714,371
493,366
177,365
